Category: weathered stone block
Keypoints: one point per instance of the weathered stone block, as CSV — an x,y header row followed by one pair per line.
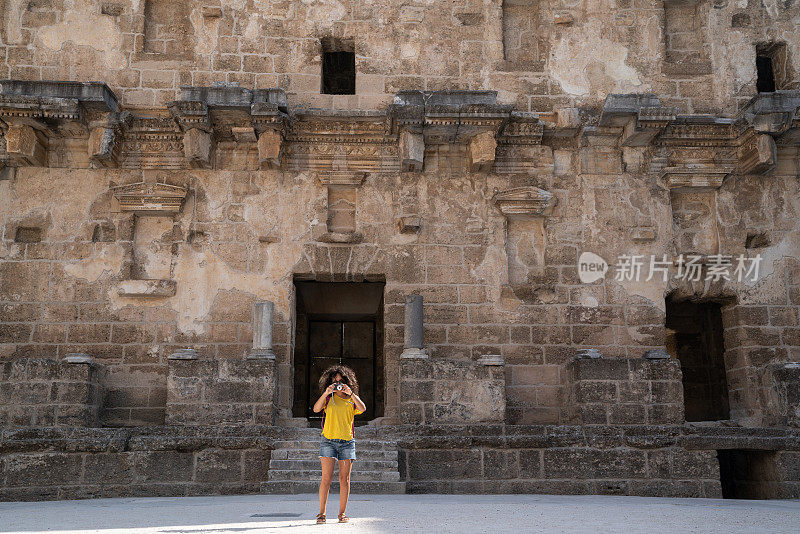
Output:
x,y
163,466
463,391
482,149
24,146
412,150
197,148
624,391
270,149
220,392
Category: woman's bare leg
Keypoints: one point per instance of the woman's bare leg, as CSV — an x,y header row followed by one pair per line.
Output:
x,y
325,483
345,466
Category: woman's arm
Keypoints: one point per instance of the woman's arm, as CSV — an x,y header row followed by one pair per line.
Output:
x,y
320,404
360,406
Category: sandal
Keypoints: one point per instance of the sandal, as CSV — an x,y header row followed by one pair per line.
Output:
x,y
343,518
320,518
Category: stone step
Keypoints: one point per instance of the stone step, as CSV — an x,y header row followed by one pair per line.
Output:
x,y
305,454
292,487
314,430
310,444
314,474
367,465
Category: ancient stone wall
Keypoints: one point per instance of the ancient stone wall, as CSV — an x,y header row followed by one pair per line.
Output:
x,y
539,54
37,464
83,271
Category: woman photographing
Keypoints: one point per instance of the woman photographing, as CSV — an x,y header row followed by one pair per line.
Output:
x,y
340,402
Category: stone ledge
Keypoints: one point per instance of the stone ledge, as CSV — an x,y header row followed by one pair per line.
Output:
x,y
147,288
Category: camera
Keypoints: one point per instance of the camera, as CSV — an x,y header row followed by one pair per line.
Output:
x,y
338,386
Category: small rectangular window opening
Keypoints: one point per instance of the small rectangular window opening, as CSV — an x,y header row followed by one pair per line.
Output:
x,y
765,82
770,66
338,67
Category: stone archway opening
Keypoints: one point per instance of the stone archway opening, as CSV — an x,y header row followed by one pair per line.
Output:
x,y
339,323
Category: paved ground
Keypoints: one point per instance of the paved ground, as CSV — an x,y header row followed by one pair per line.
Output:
x,y
517,514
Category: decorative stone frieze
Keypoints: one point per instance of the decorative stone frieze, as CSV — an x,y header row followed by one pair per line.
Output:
x,y
776,114
444,117
346,141
519,146
698,152
212,115
153,143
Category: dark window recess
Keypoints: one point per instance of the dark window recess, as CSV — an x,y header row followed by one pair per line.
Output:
x,y
27,234
339,73
748,474
694,335
103,233
765,83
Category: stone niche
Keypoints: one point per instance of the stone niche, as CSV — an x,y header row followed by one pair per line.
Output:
x,y
525,38
168,32
153,206
434,391
47,392
220,392
622,391
685,31
525,210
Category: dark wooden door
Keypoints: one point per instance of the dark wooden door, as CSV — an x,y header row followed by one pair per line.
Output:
x,y
350,343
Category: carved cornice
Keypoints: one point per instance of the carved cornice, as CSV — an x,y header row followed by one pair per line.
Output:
x,y
448,116
150,198
641,117
207,123
524,202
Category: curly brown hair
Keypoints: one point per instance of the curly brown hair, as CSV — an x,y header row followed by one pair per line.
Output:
x,y
348,377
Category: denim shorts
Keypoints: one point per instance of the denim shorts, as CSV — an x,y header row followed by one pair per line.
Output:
x,y
341,449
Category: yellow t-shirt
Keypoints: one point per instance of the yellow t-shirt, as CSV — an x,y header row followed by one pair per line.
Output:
x,y
339,418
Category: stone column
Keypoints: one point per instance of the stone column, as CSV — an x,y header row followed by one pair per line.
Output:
x,y
263,313
413,342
